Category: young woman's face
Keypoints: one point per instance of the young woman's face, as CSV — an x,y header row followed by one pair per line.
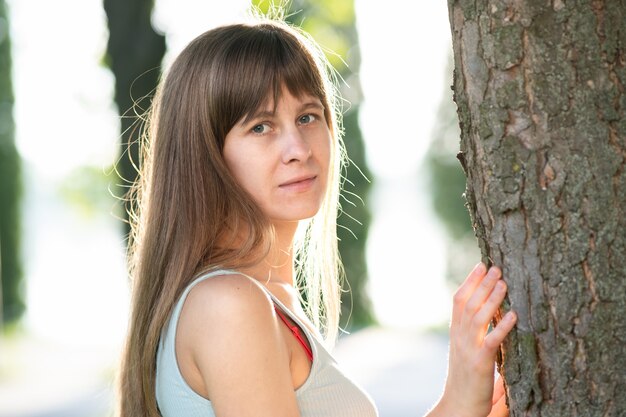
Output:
x,y
281,158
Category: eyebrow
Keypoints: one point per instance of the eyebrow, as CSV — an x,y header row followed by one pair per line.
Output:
x,y
270,113
312,104
258,115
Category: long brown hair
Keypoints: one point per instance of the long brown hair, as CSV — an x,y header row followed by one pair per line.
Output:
x,y
187,202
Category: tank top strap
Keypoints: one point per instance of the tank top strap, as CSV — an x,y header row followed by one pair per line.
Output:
x,y
295,330
181,300
282,311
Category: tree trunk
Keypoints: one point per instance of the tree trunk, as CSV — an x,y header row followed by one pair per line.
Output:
x,y
540,90
134,54
11,298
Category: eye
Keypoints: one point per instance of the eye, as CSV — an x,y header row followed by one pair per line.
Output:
x,y
260,128
306,119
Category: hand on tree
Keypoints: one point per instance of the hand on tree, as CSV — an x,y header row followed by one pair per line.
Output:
x,y
470,390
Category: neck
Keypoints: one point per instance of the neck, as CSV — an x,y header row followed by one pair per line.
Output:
x,y
277,266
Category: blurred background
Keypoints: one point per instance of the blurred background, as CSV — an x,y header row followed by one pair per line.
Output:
x,y
73,76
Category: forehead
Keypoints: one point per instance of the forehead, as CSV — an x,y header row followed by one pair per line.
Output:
x,y
272,100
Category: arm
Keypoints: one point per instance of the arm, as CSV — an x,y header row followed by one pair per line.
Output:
x,y
469,390
230,332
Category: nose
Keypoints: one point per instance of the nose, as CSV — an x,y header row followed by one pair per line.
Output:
x,y
296,148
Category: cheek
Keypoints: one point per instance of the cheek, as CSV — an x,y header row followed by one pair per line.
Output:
x,y
246,174
250,174
236,153
239,165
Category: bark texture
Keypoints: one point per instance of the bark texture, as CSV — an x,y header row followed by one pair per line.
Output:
x,y
540,90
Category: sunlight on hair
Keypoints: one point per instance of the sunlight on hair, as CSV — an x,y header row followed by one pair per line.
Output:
x,y
395,141
75,273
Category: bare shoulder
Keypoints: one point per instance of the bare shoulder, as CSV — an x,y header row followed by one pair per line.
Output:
x,y
230,288
232,347
220,303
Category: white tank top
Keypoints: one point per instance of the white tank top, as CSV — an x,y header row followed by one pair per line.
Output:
x,y
327,392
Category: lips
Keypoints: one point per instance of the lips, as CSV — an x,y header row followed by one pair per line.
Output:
x,y
299,183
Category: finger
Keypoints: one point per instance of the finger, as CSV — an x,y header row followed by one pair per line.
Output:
x,y
498,334
482,319
466,289
499,409
498,390
480,294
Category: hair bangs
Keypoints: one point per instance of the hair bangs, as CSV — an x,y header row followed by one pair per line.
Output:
x,y
259,64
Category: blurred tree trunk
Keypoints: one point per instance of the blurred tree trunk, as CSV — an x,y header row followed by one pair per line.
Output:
x,y
540,89
134,54
332,24
10,187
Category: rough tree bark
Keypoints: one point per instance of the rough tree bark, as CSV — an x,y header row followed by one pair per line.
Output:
x,y
540,90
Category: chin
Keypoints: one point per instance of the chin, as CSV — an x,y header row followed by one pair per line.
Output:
x,y
295,215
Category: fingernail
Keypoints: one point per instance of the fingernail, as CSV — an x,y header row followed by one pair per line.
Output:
x,y
480,267
494,272
510,316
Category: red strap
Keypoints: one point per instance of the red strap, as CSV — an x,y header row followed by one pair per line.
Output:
x,y
296,332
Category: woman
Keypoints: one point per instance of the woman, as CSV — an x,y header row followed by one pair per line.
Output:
x,y
237,202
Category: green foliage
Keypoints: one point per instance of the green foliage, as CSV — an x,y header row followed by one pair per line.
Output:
x,y
83,187
352,232
447,194
446,174
11,275
332,24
